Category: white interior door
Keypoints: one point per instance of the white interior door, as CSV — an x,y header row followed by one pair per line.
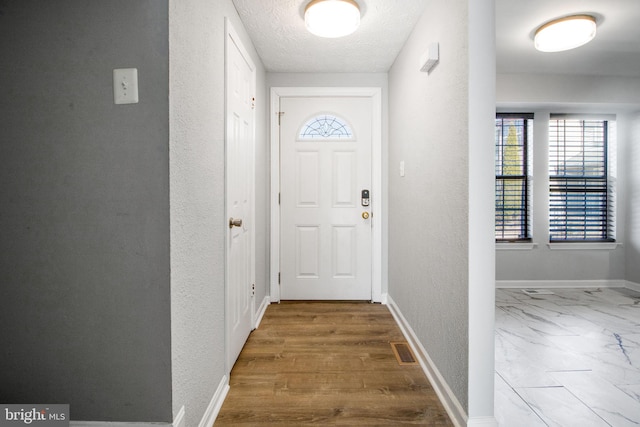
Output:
x,y
240,135
325,225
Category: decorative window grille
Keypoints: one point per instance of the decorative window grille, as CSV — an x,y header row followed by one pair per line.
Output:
x,y
580,189
513,209
326,127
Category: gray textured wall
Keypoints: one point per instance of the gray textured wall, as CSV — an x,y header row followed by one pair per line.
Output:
x,y
429,206
198,222
84,208
632,239
544,95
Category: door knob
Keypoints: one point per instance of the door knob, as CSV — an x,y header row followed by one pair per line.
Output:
x,y
235,223
365,215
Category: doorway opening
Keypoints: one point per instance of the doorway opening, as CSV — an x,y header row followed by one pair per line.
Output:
x,y
339,258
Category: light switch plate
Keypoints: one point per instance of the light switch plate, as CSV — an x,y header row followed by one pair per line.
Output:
x,y
125,86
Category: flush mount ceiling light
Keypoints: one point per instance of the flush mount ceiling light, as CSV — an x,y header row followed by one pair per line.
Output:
x,y
565,33
332,18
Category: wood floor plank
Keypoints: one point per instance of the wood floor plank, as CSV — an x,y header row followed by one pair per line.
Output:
x,y
326,363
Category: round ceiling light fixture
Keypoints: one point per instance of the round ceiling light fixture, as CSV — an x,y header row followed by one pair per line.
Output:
x,y
565,33
332,18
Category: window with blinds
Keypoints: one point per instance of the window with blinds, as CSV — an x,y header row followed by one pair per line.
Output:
x,y
580,194
513,133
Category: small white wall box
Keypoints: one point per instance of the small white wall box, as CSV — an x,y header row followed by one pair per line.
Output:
x,y
430,58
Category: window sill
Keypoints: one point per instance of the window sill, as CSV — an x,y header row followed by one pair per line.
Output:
x,y
605,246
515,246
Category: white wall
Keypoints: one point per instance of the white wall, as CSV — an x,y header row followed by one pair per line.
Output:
x,y
441,258
632,165
197,186
592,93
481,286
327,80
429,206
544,95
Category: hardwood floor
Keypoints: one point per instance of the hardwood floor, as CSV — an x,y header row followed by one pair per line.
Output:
x,y
327,363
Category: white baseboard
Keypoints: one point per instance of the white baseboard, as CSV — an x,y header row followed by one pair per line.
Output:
x,y
384,299
115,424
210,415
260,313
179,421
207,420
558,284
482,422
448,399
632,285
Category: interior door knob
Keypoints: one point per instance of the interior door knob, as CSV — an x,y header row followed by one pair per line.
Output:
x,y
235,222
365,215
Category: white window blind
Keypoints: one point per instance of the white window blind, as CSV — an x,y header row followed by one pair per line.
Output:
x,y
580,192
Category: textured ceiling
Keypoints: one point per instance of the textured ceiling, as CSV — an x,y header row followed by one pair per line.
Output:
x,y
277,30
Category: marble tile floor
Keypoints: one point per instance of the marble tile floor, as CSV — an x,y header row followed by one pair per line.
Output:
x,y
568,358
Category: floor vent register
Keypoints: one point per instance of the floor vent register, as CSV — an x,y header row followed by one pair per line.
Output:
x,y
403,353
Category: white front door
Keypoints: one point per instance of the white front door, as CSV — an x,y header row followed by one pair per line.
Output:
x,y
240,83
325,222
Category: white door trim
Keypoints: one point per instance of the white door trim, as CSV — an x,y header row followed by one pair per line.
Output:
x,y
375,93
231,36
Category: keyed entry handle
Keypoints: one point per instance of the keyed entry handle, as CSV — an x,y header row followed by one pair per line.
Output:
x,y
235,222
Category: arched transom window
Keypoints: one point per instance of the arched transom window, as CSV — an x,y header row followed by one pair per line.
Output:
x,y
326,127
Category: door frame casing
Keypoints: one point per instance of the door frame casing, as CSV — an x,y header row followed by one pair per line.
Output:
x,y
375,93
